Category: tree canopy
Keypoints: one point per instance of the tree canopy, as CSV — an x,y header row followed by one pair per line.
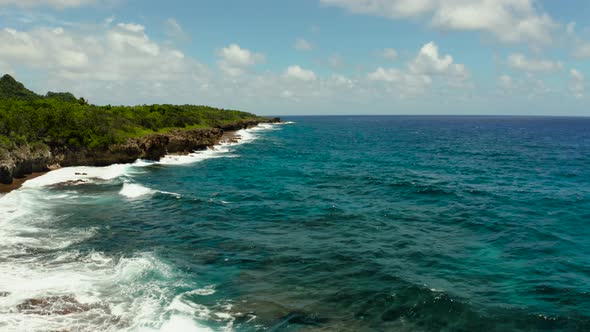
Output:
x,y
61,119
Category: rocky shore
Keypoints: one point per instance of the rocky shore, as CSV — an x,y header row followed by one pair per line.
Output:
x,y
28,159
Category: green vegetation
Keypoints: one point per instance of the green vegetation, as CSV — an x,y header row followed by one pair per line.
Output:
x,y
60,119
11,89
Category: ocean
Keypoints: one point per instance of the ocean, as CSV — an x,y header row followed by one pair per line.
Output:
x,y
343,223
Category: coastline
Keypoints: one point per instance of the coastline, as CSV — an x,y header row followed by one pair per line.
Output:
x,y
163,147
17,183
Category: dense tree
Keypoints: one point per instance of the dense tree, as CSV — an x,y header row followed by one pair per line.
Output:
x,y
61,119
10,88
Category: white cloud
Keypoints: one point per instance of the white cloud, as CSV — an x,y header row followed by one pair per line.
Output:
x,y
303,45
341,80
506,82
175,30
6,69
386,75
407,83
20,47
577,83
527,85
109,20
509,21
582,50
422,70
335,61
430,62
581,46
287,94
571,28
388,53
296,72
129,37
520,62
111,64
234,60
46,3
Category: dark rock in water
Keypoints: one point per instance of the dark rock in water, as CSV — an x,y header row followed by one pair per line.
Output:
x,y
4,294
266,312
69,183
298,318
55,305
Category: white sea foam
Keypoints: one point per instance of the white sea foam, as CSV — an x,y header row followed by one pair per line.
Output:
x,y
205,291
222,150
87,174
215,152
133,190
143,163
133,293
82,173
113,290
178,323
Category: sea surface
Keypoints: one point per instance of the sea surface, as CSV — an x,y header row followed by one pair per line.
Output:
x,y
367,223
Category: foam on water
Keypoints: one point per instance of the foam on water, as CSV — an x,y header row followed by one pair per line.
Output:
x,y
222,150
83,173
103,292
133,190
87,174
215,152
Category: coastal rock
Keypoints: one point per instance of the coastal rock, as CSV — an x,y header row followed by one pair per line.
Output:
x,y
23,160
26,159
56,305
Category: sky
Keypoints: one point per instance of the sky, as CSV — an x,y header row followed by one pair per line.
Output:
x,y
307,57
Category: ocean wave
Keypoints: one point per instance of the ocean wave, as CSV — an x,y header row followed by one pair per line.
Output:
x,y
47,284
134,190
87,293
222,150
211,153
79,175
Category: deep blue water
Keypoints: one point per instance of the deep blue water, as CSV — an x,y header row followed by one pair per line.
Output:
x,y
368,223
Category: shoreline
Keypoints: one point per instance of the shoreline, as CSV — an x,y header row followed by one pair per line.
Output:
x,y
229,136
17,183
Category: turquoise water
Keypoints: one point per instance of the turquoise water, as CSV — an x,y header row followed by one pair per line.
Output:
x,y
328,224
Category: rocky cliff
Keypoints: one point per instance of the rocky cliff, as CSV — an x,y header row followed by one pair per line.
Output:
x,y
27,159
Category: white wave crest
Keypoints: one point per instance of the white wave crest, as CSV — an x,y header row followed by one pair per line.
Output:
x,y
215,152
133,190
222,150
83,174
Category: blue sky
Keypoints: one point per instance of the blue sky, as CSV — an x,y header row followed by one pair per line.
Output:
x,y
307,56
